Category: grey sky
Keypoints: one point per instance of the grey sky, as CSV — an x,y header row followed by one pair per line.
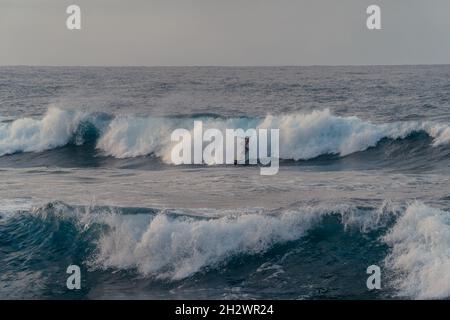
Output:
x,y
224,32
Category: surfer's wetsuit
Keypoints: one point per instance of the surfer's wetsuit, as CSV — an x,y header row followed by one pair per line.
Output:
x,y
247,148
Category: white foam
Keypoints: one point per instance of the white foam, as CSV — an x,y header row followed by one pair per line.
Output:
x,y
420,256
306,136
54,130
177,248
128,137
302,136
440,133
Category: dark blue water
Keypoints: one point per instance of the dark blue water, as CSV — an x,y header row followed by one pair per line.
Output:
x,y
364,179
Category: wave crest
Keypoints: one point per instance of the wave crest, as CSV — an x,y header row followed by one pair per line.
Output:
x,y
302,136
178,248
54,130
175,245
420,242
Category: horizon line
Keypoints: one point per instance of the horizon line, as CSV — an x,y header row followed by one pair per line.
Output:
x,y
223,66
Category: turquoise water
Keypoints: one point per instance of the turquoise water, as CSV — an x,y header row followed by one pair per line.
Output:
x,y
363,180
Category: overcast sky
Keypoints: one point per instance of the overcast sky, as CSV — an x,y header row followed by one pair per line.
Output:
x,y
224,32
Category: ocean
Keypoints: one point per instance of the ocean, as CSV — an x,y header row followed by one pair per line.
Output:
x,y
363,180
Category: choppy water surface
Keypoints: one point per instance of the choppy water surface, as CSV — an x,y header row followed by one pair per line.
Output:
x,y
85,178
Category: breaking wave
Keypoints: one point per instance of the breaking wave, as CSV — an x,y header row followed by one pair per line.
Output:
x,y
420,242
302,136
177,245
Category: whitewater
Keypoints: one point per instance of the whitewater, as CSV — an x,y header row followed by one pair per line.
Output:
x,y
302,136
86,179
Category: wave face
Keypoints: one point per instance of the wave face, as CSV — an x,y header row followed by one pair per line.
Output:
x,y
178,248
56,129
359,146
421,252
177,251
302,136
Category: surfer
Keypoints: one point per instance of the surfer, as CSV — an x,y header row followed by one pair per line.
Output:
x,y
247,148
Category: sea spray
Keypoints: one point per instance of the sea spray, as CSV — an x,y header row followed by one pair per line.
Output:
x,y
302,136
